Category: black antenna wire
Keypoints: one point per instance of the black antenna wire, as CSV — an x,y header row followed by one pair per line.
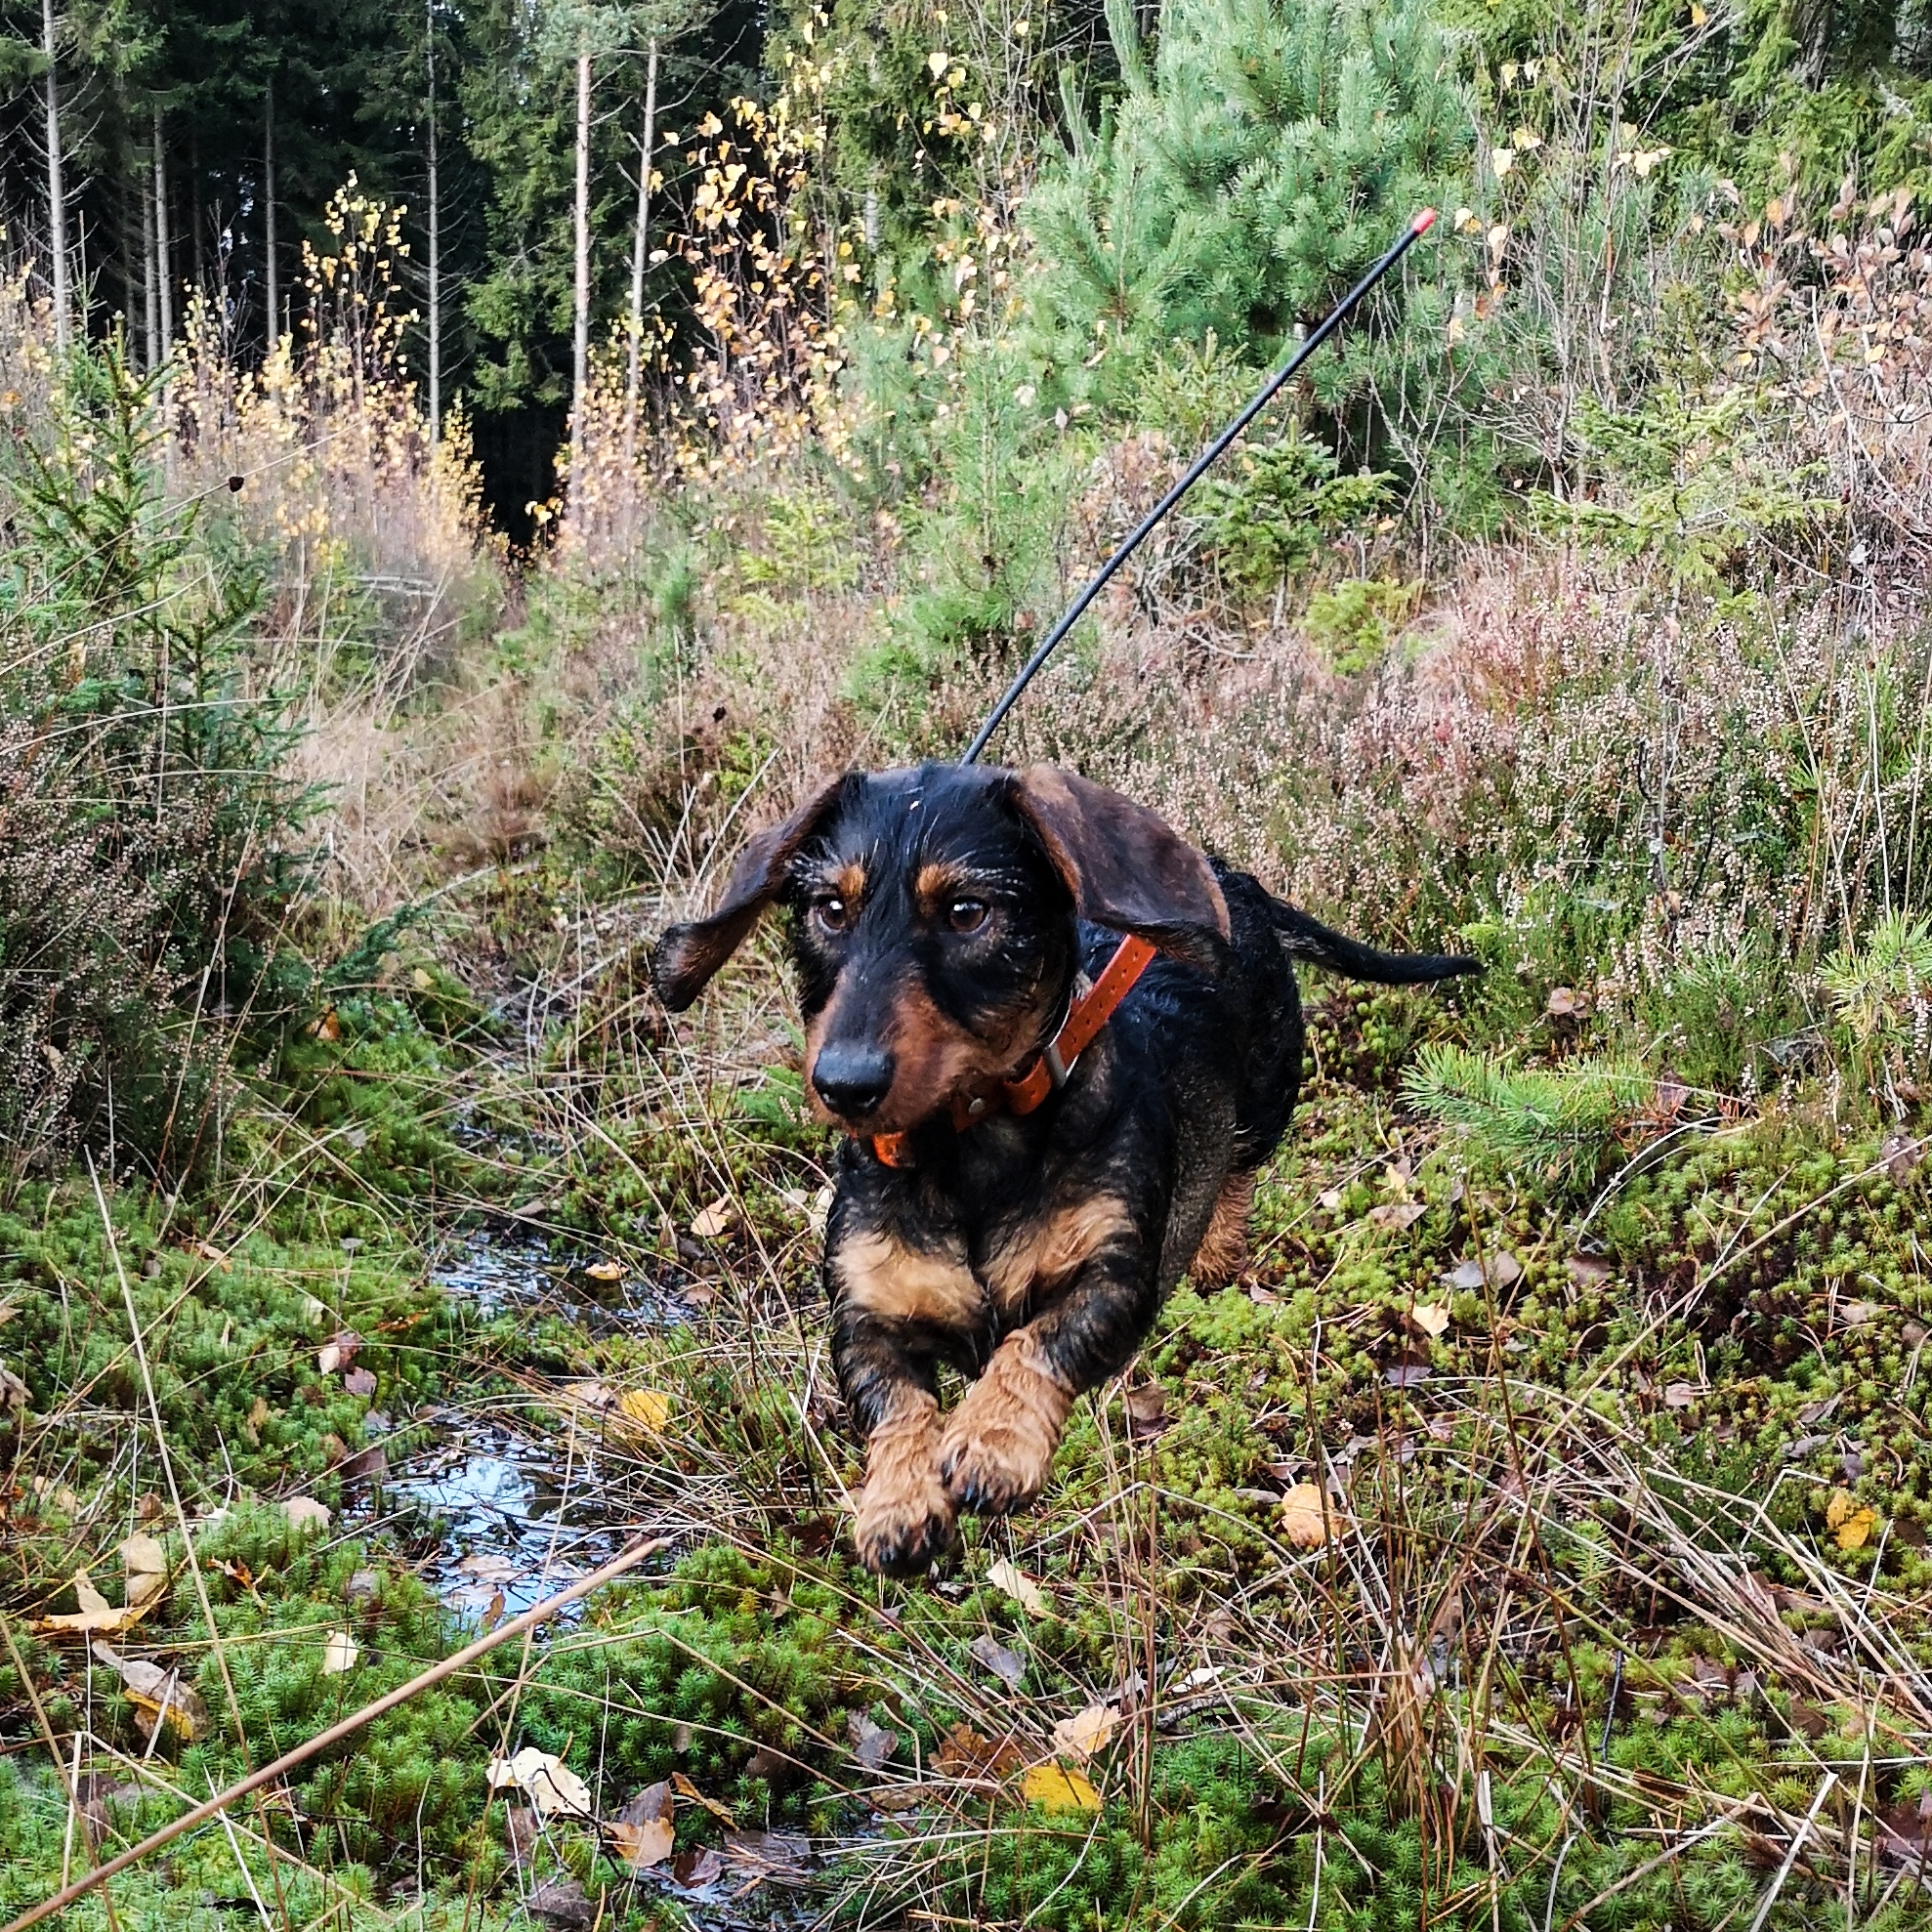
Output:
x,y
1329,323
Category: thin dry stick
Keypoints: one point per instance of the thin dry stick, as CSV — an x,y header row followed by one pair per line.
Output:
x,y
323,1741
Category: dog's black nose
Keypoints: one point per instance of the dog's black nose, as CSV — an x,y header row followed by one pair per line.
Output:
x,y
851,1079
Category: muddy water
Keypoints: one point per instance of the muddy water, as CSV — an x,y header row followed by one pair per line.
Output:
x,y
510,1513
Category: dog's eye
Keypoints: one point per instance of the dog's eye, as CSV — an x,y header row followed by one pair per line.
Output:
x,y
966,915
831,912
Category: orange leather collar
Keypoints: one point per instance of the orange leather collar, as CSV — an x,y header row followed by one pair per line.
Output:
x,y
1049,1070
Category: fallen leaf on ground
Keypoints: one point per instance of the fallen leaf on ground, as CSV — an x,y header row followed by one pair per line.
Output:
x,y
1022,1588
96,1613
563,1902
648,1408
691,1870
1679,1395
359,1382
305,1513
1586,1270
605,1271
1304,1521
1499,1271
1088,1732
770,1854
871,1743
1147,1411
1856,1314
685,1789
208,1251
1393,1216
1564,1003
1009,1666
964,1753
543,1778
366,1465
14,1392
1054,1788
1331,1199
339,1351
1406,1370
641,1846
713,1223
339,1654
1432,1317
490,1566
147,1568
1850,1521
157,1693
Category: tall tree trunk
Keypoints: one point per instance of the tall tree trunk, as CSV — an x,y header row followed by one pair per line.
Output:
x,y
580,388
639,254
436,250
56,189
268,215
195,213
150,287
163,269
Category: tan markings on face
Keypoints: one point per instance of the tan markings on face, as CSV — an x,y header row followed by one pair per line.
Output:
x,y
1042,1255
935,887
903,1504
1224,1247
999,1446
908,1284
849,882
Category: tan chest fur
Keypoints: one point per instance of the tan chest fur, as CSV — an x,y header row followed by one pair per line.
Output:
x,y
1025,1268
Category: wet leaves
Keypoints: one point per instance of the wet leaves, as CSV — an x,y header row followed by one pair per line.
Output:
x,y
95,1617
561,1902
605,1271
715,1222
648,1408
338,1352
1431,1319
871,1743
964,1753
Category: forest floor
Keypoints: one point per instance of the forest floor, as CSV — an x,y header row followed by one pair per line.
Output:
x,y
1488,1554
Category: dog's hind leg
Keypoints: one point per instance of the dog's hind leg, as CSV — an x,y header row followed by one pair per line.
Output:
x,y
1223,1249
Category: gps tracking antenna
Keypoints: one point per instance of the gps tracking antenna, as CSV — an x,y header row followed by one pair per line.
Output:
x,y
1334,320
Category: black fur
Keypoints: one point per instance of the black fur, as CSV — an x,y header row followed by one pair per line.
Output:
x,y
1192,1082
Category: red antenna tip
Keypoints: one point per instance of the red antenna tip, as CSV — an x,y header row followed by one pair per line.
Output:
x,y
1423,221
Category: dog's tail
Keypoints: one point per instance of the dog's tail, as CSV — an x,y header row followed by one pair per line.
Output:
x,y
1308,939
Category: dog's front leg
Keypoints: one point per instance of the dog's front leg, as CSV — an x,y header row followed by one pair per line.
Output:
x,y
999,1446
890,1300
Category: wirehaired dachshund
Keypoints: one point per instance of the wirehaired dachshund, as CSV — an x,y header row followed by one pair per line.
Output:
x,y
958,933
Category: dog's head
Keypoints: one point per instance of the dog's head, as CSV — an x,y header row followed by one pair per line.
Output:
x,y
933,923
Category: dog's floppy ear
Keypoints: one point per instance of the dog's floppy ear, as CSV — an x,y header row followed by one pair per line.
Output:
x,y
688,955
1126,867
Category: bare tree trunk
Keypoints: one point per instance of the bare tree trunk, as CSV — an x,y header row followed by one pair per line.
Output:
x,y
164,272
57,190
268,217
640,252
436,252
197,215
150,281
581,394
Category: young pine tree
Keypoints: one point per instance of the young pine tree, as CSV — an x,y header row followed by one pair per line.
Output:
x,y
1262,156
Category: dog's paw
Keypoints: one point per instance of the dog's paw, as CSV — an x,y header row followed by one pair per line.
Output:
x,y
906,1518
997,1450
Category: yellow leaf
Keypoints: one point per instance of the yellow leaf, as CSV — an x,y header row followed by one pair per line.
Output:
x,y
421,981
1502,159
936,64
685,1789
646,1406
1080,1737
1432,1317
96,1613
157,1693
1053,1787
1305,1521
339,1654
1850,1521
605,1271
